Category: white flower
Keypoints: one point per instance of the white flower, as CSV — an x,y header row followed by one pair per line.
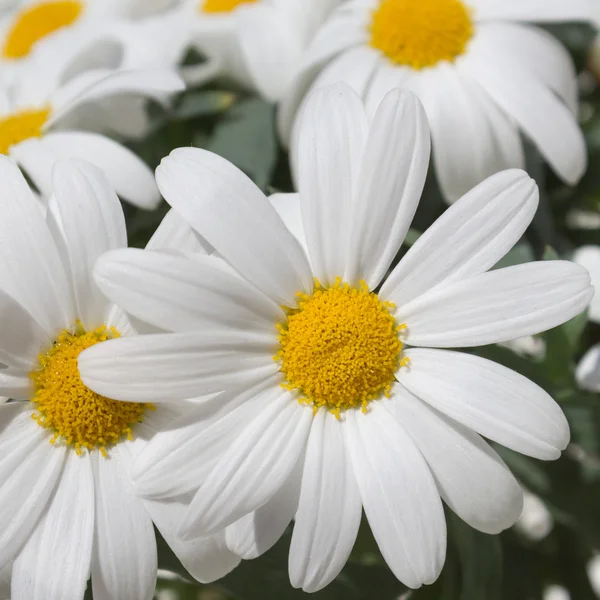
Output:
x,y
66,510
35,127
482,73
398,428
536,522
257,43
588,369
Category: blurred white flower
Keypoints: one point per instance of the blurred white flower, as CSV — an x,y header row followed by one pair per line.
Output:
x,y
327,412
482,72
593,571
535,522
528,346
36,127
556,592
67,511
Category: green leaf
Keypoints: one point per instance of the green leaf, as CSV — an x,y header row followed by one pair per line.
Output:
x,y
203,104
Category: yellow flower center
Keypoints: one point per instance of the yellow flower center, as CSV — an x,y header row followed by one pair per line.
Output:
x,y
21,126
79,417
421,33
340,347
222,6
36,22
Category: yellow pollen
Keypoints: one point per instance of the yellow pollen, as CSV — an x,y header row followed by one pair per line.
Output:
x,y
79,417
21,126
222,6
36,22
421,33
339,347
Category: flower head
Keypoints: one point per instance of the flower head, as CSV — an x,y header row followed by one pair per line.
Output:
x,y
341,394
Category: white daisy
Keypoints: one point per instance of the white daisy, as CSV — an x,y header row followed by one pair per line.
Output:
x,y
35,127
588,369
67,508
482,72
336,414
257,43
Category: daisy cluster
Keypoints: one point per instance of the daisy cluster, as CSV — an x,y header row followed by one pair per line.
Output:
x,y
354,321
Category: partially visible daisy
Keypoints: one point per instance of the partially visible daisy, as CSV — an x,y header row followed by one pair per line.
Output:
x,y
35,130
257,43
347,398
67,507
483,73
588,369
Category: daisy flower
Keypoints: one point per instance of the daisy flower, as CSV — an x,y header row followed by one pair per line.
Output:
x,y
67,507
588,370
257,43
36,127
483,73
347,395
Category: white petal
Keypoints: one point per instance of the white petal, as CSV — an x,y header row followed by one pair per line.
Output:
x,y
589,257
177,293
255,467
399,495
393,174
469,238
151,83
537,110
588,370
470,476
252,535
497,306
207,560
329,511
289,209
15,384
31,270
124,553
29,470
178,460
548,11
92,222
174,233
494,401
472,137
234,216
45,569
130,177
332,135
166,367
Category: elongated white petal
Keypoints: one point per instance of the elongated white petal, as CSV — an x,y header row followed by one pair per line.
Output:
x,y
130,177
332,135
29,470
549,11
329,511
289,208
468,239
492,400
255,467
208,559
399,495
92,222
174,233
31,270
182,294
589,257
124,552
252,535
393,174
538,111
45,569
178,459
470,476
497,306
235,217
15,384
588,370
163,368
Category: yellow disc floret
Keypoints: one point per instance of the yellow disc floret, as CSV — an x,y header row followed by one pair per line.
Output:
x,y
421,33
21,126
36,22
222,6
340,347
79,417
